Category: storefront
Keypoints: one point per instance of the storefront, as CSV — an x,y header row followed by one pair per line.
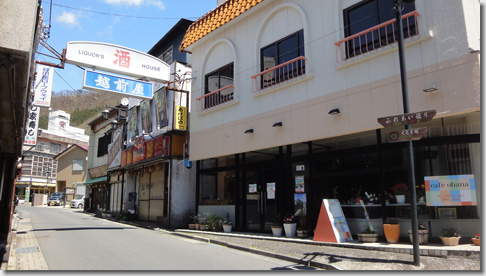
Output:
x,y
264,186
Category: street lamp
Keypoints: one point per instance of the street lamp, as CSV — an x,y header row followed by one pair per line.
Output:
x,y
403,74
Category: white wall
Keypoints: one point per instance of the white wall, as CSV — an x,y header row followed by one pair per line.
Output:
x,y
182,193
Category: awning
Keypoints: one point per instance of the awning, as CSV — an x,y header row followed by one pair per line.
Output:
x,y
96,180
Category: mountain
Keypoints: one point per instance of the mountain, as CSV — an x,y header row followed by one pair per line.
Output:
x,y
83,105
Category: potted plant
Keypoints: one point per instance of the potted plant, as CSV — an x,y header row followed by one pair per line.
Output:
x,y
450,236
357,194
193,219
203,218
368,235
277,230
227,224
400,190
214,222
391,229
477,240
423,234
290,226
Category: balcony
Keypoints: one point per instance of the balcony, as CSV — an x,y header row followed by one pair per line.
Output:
x,y
279,75
218,98
376,37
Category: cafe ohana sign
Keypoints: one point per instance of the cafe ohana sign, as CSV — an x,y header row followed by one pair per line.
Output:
x,y
450,190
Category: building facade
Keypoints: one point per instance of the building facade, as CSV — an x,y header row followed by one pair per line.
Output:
x,y
71,170
287,99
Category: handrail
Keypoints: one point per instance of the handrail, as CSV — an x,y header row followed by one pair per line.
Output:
x,y
278,66
214,92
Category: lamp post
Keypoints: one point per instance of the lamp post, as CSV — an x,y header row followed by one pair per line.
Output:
x,y
406,109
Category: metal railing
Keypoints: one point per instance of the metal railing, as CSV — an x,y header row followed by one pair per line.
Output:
x,y
375,37
216,98
280,74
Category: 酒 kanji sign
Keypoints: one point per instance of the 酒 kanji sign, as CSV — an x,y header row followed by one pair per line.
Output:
x,y
407,119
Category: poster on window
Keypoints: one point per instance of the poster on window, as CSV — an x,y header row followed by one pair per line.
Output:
x,y
299,184
133,124
252,188
450,190
271,190
146,114
300,204
161,108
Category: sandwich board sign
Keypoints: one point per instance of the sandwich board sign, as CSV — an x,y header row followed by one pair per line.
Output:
x,y
331,224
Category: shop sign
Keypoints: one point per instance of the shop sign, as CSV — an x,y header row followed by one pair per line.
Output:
x,y
32,126
450,190
407,119
139,150
97,172
117,59
129,156
180,117
43,85
114,150
123,159
150,149
162,146
412,134
116,84
331,224
69,191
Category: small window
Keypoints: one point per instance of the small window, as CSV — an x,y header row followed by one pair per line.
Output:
x,y
78,165
103,143
216,80
167,55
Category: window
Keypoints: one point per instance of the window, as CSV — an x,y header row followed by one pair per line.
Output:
x,y
167,55
55,147
280,52
78,165
216,80
103,143
368,14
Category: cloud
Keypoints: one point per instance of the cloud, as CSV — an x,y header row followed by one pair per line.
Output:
x,y
107,33
157,3
68,18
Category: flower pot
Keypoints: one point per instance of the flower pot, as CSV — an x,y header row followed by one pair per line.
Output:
x,y
227,228
400,199
203,227
197,226
392,232
290,229
450,241
423,236
277,231
192,226
476,241
302,233
368,237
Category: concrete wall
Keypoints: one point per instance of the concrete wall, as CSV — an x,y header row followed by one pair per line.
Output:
x,y
17,31
182,189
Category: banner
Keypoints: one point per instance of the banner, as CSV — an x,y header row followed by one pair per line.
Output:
x,y
43,85
32,126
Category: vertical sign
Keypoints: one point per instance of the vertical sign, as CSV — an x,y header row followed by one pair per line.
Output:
x,y
32,126
180,118
161,108
43,85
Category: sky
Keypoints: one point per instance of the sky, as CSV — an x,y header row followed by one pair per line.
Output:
x,y
135,24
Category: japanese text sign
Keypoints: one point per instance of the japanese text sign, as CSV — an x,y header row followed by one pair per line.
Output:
x,y
32,126
43,85
180,118
407,134
450,190
117,84
407,119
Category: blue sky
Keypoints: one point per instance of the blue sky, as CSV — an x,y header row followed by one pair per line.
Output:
x,y
119,22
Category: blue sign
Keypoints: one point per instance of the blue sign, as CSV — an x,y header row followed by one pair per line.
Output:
x,y
117,84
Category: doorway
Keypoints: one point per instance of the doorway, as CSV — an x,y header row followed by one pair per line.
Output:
x,y
261,198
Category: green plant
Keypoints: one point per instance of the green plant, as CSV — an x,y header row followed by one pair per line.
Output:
x,y
478,236
422,227
193,219
368,230
450,232
335,191
214,221
357,192
227,220
391,221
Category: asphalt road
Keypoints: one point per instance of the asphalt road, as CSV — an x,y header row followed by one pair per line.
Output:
x,y
72,240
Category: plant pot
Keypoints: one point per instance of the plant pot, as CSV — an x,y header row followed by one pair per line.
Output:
x,y
400,199
198,226
302,233
368,237
277,231
423,236
450,241
227,228
192,226
392,232
476,241
290,229
203,227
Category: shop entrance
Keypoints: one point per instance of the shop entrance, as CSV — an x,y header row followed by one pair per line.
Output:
x,y
261,198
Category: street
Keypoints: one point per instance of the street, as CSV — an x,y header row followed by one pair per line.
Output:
x,y
72,240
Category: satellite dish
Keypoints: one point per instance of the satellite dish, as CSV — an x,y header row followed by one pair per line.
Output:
x,y
124,101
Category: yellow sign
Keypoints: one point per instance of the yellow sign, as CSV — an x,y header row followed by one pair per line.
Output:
x,y
180,118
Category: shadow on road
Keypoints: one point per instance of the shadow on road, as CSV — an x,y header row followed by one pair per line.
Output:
x,y
339,258
84,228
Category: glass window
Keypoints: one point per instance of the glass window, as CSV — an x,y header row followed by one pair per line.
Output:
x,y
368,14
77,165
167,55
217,80
217,188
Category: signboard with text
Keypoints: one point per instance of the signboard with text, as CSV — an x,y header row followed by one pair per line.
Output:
x,y
407,118
116,84
43,85
180,118
32,125
450,190
407,135
117,59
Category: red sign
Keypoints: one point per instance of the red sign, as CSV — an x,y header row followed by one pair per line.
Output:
x,y
150,149
162,146
129,156
139,150
407,119
124,158
407,135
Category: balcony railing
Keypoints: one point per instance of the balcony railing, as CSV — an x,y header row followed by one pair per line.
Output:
x,y
375,37
278,75
216,98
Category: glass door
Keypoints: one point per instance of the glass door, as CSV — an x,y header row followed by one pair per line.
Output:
x,y
261,199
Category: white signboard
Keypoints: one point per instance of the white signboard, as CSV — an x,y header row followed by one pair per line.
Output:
x,y
43,85
30,138
114,149
117,59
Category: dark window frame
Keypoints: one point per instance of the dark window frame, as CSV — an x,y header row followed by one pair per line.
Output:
x,y
216,98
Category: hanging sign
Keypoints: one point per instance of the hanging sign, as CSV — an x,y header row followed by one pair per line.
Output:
x,y
180,118
403,135
407,119
43,85
116,84
32,125
117,59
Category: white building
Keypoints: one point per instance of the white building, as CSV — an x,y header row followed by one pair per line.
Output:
x,y
292,63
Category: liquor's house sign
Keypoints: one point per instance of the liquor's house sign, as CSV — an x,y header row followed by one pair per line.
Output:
x,y
117,59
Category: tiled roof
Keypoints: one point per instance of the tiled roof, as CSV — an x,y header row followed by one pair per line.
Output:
x,y
216,18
